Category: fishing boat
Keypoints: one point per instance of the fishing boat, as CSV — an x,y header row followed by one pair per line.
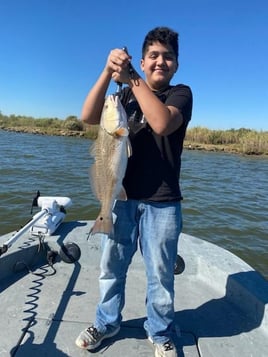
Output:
x,y
49,290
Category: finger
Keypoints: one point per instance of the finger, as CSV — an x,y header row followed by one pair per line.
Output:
x,y
119,57
115,76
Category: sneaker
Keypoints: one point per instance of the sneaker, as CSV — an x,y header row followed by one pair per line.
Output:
x,y
91,338
167,349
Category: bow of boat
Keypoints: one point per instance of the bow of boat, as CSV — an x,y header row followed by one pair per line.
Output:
x,y
49,291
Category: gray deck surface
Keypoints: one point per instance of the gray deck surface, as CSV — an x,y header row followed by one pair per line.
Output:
x,y
221,302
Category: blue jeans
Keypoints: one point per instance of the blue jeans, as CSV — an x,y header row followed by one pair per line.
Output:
x,y
155,226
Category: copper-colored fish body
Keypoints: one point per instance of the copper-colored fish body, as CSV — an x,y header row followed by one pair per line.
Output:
x,y
110,151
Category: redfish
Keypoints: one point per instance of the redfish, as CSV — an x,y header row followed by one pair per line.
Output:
x,y
111,151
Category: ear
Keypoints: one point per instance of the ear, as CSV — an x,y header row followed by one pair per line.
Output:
x,y
176,67
142,64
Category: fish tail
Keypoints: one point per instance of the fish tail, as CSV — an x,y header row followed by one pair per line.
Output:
x,y
102,225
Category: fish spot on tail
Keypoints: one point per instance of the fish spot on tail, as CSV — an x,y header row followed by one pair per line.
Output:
x,y
102,225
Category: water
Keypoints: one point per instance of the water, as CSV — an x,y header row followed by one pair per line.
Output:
x,y
225,196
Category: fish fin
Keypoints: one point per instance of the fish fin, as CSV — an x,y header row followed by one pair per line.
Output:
x,y
92,150
129,148
121,131
122,195
102,225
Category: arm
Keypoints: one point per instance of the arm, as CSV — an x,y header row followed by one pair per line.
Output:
x,y
163,119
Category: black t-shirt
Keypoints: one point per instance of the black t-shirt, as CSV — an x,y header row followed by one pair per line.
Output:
x,y
154,168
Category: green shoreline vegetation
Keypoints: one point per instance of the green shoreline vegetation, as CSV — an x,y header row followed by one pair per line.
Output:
x,y
239,141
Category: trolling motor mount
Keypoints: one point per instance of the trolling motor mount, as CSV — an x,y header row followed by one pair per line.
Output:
x,y
44,222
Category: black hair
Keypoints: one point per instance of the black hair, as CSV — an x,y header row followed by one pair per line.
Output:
x,y
164,35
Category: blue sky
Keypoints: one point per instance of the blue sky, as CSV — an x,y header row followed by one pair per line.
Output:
x,y
52,51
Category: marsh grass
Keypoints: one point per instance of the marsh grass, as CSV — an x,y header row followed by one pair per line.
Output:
x,y
243,141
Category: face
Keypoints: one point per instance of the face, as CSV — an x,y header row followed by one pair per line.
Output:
x,y
159,65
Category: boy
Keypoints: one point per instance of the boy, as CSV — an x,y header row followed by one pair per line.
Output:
x,y
158,115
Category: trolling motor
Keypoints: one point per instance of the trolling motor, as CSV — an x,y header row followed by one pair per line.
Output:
x,y
44,222
53,209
